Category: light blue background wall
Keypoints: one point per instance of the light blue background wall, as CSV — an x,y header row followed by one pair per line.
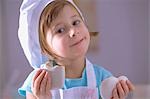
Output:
x,y
14,65
123,25
123,41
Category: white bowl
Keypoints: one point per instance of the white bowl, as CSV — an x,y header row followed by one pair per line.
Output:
x,y
108,85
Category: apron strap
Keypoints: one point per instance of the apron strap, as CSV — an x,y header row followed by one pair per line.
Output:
x,y
61,93
91,78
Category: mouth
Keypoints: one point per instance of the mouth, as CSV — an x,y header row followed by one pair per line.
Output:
x,y
78,42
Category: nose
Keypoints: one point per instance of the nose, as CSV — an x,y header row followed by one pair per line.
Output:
x,y
72,32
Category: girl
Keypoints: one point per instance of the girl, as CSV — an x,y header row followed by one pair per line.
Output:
x,y
55,30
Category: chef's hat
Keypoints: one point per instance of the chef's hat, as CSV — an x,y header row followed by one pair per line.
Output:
x,y
30,12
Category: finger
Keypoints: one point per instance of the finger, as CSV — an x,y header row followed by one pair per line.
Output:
x,y
48,83
115,94
43,84
120,90
35,76
37,83
124,86
130,85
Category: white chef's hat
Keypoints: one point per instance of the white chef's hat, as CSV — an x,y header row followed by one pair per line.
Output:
x,y
30,12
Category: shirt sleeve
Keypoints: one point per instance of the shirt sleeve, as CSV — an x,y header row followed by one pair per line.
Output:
x,y
27,84
101,73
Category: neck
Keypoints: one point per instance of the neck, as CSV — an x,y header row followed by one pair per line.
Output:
x,y
75,67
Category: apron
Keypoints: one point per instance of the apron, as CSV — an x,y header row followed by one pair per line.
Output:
x,y
83,92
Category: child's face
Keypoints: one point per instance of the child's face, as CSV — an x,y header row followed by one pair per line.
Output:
x,y
68,36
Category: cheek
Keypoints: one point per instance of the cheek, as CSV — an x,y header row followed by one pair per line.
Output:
x,y
59,46
84,29
49,40
86,33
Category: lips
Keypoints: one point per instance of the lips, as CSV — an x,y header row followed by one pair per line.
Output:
x,y
78,42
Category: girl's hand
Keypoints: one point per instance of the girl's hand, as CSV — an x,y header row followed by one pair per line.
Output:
x,y
122,89
41,85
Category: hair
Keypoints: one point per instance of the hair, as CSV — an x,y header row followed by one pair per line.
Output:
x,y
50,12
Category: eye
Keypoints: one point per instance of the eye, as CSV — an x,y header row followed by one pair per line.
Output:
x,y
61,30
76,22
